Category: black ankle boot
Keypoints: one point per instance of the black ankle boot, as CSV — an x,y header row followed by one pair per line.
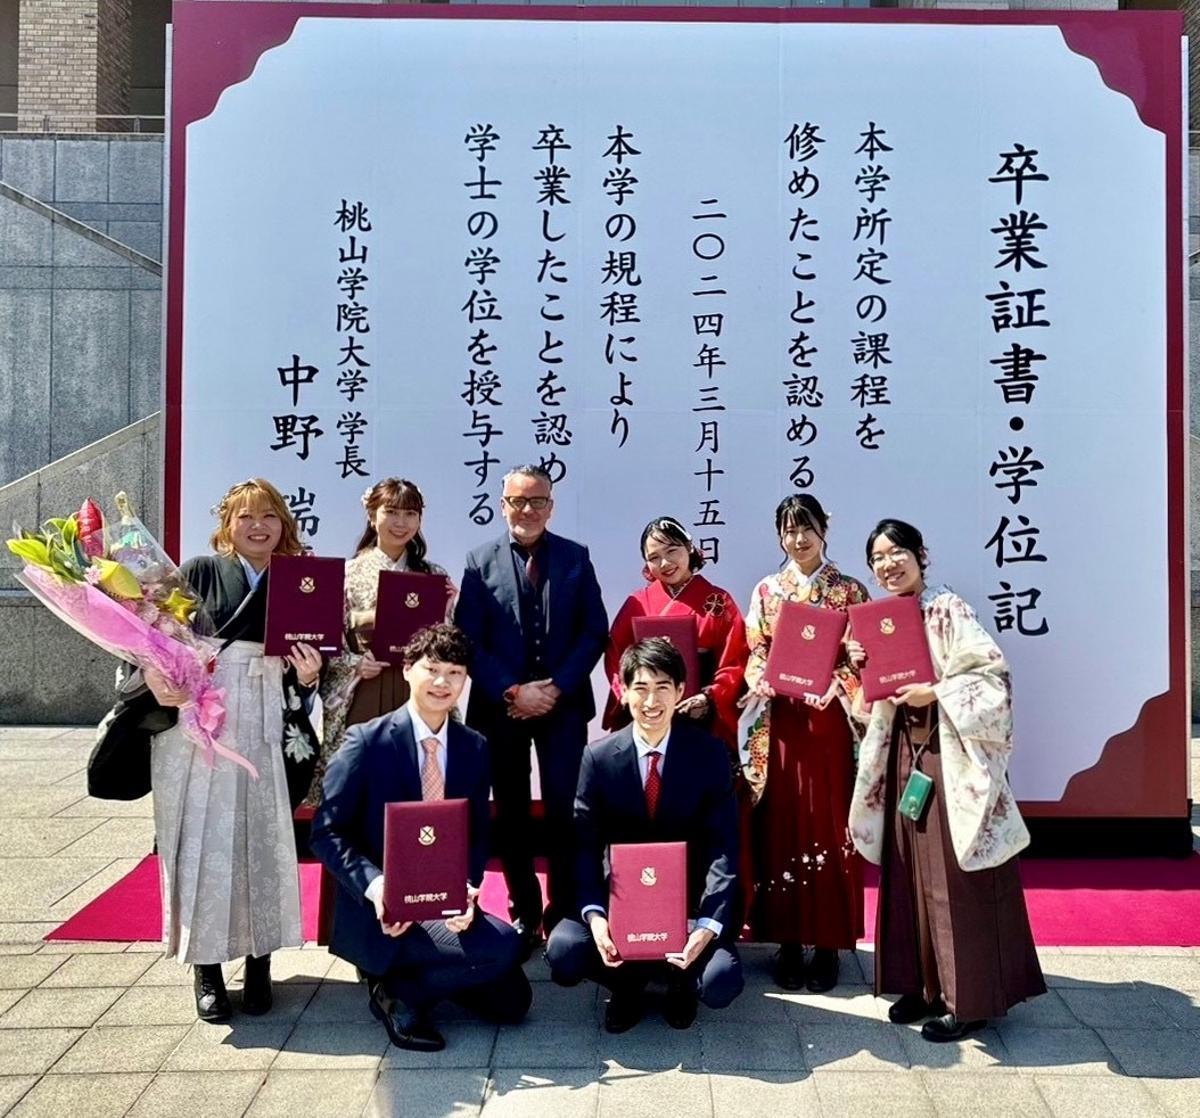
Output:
x,y
256,985
789,967
822,970
212,1003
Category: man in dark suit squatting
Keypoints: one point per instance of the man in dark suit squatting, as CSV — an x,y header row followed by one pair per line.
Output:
x,y
532,607
655,781
416,753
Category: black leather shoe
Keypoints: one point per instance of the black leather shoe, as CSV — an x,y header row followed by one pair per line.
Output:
x,y
212,1003
405,1028
624,1010
789,967
948,1027
256,985
679,1006
822,971
912,1007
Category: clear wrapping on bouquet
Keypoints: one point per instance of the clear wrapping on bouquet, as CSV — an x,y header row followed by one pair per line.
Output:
x,y
114,585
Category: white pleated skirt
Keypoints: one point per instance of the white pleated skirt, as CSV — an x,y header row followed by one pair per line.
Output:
x,y
227,850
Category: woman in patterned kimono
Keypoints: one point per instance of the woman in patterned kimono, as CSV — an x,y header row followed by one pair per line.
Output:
x,y
356,687
675,589
226,846
952,936
799,761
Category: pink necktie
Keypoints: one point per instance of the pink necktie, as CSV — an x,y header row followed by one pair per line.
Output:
x,y
433,785
653,784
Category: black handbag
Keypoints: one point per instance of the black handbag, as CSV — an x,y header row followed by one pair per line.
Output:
x,y
119,765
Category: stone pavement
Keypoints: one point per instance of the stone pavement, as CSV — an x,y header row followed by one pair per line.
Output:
x,y
108,1029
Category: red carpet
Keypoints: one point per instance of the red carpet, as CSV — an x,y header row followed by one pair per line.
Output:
x,y
131,909
1136,902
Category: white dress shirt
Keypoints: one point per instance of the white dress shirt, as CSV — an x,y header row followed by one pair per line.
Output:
x,y
420,732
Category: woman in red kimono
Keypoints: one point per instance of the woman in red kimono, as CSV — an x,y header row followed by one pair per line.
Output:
x,y
800,765
676,590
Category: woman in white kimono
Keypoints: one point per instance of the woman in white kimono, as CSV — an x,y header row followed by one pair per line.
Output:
x,y
226,846
952,935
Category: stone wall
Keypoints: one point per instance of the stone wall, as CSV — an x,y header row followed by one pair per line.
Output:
x,y
48,673
80,345
112,183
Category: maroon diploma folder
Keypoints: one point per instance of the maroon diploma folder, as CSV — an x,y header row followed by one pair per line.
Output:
x,y
425,860
681,632
647,903
892,631
405,603
305,603
804,649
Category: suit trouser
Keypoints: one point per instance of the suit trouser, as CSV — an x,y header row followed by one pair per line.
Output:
x,y
716,977
479,968
559,738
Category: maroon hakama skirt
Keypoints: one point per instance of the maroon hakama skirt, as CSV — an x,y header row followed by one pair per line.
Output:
x,y
943,932
808,877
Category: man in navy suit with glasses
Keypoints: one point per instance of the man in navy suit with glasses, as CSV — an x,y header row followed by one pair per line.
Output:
x,y
532,607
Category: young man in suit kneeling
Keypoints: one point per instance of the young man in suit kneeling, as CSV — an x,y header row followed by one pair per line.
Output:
x,y
417,752
655,781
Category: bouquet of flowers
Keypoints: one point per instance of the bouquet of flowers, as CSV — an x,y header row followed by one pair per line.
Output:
x,y
116,586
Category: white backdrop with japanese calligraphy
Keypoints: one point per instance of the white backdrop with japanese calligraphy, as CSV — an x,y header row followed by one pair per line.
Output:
x,y
382,202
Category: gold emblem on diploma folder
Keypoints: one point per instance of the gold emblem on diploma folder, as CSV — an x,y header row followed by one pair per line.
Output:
x,y
649,877
412,600
887,626
808,633
307,585
427,837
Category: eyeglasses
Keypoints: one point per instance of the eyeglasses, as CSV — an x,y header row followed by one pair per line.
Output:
x,y
520,504
882,559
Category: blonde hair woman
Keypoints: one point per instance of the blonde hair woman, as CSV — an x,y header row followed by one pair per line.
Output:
x,y
225,841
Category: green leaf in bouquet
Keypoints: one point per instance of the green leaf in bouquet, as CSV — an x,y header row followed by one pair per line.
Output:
x,y
70,530
31,549
62,568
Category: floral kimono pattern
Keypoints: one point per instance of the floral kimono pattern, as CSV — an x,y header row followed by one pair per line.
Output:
x,y
827,587
974,697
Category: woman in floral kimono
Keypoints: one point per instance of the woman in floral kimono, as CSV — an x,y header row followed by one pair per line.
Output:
x,y
952,936
227,851
676,590
357,687
799,760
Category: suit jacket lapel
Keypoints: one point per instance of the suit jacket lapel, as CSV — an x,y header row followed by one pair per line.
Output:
x,y
552,576
408,768
631,772
674,777
456,781
508,574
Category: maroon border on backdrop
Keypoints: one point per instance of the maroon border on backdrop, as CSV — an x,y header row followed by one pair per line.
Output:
x,y
217,43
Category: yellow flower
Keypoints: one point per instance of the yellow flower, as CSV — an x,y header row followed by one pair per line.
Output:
x,y
117,581
179,605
